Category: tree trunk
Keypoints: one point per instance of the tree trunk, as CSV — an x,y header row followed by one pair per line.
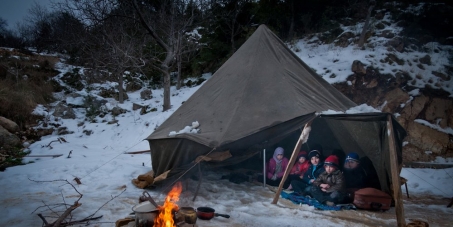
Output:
x,y
233,44
367,23
179,80
167,104
120,88
291,25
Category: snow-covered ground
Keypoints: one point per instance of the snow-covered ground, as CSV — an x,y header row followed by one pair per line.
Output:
x,y
100,161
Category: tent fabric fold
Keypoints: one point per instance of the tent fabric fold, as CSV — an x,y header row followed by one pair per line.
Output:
x,y
261,96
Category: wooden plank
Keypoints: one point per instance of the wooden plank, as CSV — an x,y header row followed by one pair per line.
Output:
x,y
399,209
48,155
427,165
138,152
292,160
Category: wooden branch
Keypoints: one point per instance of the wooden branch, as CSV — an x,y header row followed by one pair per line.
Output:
x,y
65,214
80,221
138,152
39,156
43,219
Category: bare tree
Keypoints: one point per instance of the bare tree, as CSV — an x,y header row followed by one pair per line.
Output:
x,y
166,22
112,43
367,23
230,16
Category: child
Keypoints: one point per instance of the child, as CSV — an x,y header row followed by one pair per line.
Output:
x,y
301,166
298,170
276,167
314,170
354,175
328,188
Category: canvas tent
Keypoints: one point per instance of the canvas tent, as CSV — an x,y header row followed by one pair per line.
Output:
x,y
261,96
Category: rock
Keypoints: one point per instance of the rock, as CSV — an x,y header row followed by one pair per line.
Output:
x,y
425,60
146,94
412,110
427,139
9,125
438,111
8,139
394,99
63,111
358,67
117,111
134,85
387,34
136,106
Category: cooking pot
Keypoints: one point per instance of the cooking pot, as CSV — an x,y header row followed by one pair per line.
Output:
x,y
207,213
187,214
145,213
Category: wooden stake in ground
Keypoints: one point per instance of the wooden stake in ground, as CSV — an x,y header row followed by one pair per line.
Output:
x,y
302,139
396,186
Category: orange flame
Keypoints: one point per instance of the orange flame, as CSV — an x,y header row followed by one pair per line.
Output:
x,y
165,217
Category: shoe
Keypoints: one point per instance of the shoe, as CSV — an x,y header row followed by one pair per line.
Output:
x,y
331,204
289,191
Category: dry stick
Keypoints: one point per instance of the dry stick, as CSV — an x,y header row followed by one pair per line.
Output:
x,y
66,213
49,155
138,152
43,219
80,221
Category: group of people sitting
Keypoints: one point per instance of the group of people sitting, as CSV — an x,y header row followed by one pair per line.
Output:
x,y
325,180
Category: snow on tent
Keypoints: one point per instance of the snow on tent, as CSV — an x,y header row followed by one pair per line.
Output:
x,y
259,98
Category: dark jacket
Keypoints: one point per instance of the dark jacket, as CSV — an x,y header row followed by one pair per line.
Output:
x,y
355,178
335,180
313,172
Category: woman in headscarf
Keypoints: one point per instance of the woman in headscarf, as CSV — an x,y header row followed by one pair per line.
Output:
x,y
276,167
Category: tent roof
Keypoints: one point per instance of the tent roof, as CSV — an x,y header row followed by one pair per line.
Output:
x,y
263,84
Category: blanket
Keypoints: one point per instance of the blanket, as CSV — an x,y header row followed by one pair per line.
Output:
x,y
299,199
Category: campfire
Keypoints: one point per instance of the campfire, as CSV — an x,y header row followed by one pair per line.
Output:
x,y
165,218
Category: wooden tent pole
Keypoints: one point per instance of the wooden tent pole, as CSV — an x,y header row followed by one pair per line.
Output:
x,y
292,160
396,186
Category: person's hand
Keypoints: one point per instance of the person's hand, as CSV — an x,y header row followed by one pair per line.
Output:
x,y
324,186
300,176
311,181
274,177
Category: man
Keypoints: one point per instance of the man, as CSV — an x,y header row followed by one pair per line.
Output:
x,y
328,188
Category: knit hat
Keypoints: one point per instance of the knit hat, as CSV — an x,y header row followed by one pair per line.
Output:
x,y
314,153
353,156
302,154
332,160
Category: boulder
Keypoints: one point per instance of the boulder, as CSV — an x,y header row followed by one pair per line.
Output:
x,y
412,110
146,94
427,138
394,99
63,111
358,67
8,139
9,125
439,111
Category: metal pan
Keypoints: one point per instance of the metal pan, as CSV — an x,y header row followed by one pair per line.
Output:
x,y
207,213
